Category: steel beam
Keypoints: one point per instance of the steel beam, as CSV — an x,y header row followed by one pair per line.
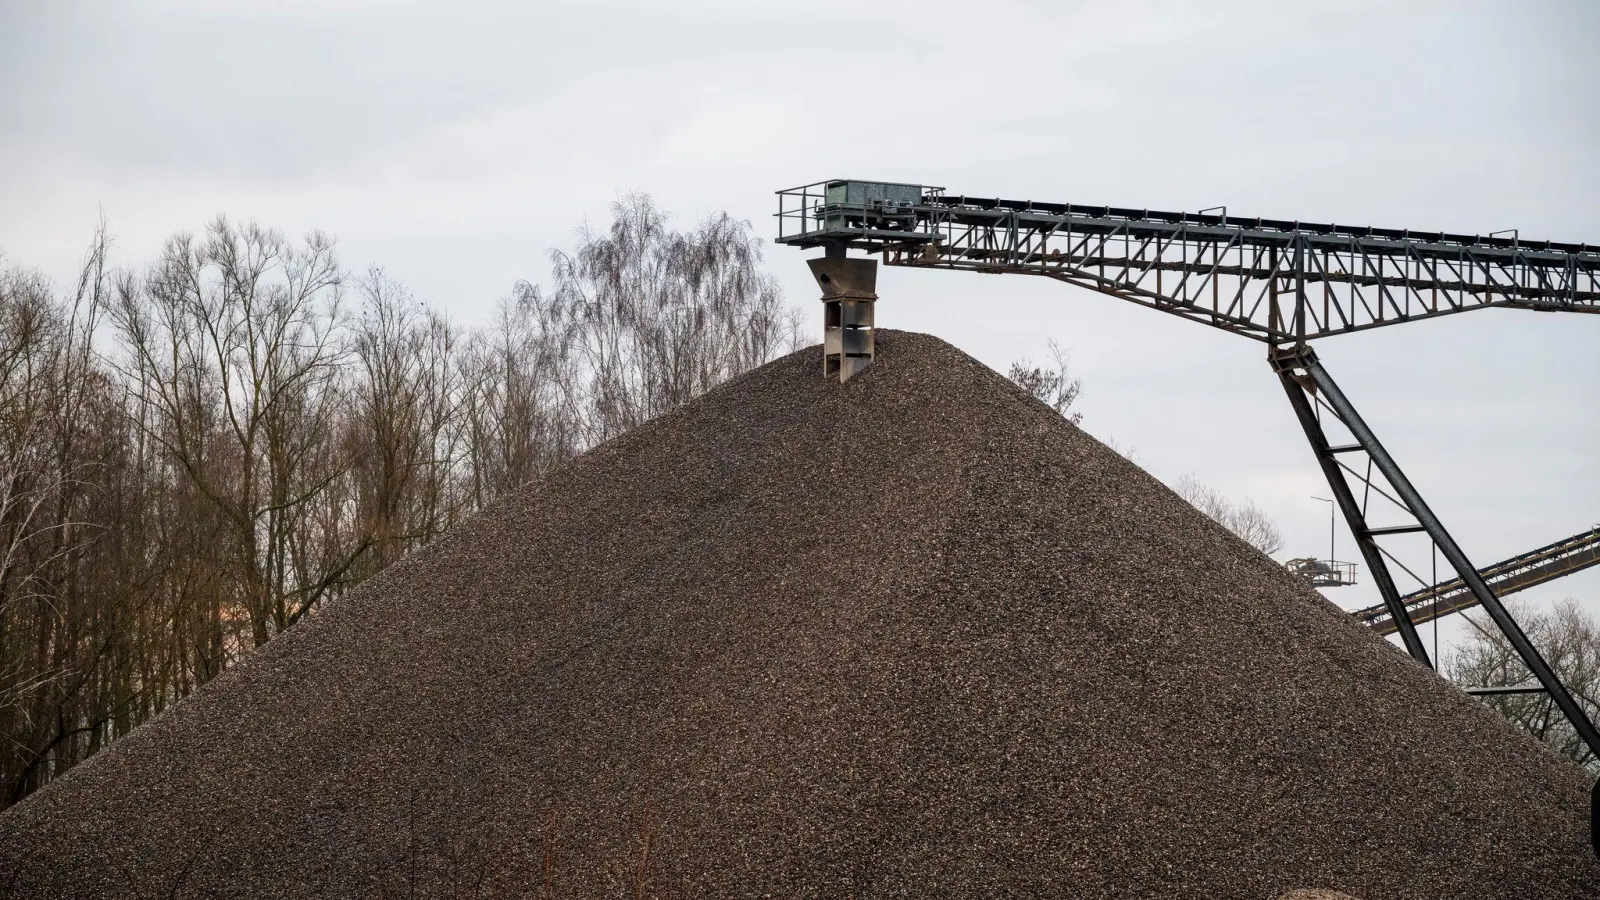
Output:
x,y
1366,541
1316,378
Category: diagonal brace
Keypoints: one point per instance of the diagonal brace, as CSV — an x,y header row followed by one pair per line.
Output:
x,y
1316,378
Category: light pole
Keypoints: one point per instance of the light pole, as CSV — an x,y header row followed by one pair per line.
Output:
x,y
1331,532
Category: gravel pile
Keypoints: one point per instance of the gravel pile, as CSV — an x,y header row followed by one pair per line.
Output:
x,y
911,636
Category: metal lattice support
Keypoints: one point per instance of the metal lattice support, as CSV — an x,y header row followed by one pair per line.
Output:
x,y
1310,387
1272,280
1298,383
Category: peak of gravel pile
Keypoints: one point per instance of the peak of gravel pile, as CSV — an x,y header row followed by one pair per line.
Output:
x,y
910,636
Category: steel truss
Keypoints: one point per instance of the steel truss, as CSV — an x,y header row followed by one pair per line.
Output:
x,y
1271,280
1281,282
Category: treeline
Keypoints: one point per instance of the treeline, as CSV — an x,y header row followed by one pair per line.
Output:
x,y
197,453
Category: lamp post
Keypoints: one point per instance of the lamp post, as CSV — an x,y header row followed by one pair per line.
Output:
x,y
1331,532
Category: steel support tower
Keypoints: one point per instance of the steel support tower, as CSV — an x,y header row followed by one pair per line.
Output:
x,y
1283,283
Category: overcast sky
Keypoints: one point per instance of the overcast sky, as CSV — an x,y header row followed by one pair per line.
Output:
x,y
453,144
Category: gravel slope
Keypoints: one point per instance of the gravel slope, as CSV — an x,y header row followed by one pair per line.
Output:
x,y
912,636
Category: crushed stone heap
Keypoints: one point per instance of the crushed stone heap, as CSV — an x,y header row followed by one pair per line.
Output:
x,y
910,636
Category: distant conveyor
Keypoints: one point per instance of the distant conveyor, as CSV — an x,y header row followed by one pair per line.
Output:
x,y
1508,576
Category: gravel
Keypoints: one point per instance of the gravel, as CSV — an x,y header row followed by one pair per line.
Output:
x,y
911,636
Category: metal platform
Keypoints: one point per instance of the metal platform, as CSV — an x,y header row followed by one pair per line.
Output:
x,y
1323,573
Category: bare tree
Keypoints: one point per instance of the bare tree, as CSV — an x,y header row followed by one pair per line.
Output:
x,y
1244,518
233,353
1569,638
660,316
233,451
63,652
403,432
1052,384
521,415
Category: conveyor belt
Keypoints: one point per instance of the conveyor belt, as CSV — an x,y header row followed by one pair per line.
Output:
x,y
1274,280
1507,576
